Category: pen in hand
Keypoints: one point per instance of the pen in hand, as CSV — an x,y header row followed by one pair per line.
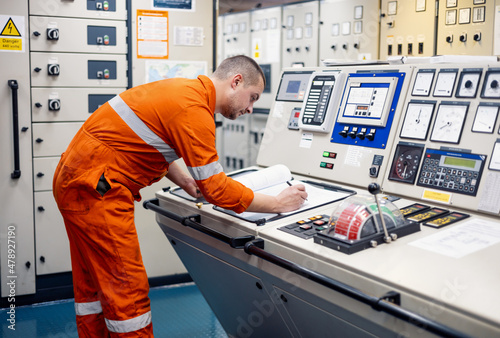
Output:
x,y
290,184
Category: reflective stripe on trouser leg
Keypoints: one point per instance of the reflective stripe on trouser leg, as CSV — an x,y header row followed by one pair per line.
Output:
x,y
129,325
90,308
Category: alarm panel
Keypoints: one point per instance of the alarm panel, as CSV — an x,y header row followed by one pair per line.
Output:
x,y
319,107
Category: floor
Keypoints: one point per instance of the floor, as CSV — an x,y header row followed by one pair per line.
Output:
x,y
177,311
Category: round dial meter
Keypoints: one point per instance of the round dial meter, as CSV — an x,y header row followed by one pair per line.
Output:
x,y
406,162
417,120
449,122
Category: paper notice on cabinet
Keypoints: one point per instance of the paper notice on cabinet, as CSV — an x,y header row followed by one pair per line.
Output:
x,y
489,200
461,240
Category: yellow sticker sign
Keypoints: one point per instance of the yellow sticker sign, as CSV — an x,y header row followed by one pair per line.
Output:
x,y
437,196
10,29
11,35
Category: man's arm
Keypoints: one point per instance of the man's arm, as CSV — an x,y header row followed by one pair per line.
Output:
x,y
183,180
289,199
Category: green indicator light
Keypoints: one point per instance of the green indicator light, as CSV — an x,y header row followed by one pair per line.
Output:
x,y
322,164
326,154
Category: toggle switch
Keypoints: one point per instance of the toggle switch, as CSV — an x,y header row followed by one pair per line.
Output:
x,y
449,38
477,36
343,133
353,132
371,135
463,37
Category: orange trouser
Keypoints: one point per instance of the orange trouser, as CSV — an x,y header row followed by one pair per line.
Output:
x,y
109,279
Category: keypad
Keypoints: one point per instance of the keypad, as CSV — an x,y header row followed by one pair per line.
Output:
x,y
441,177
307,227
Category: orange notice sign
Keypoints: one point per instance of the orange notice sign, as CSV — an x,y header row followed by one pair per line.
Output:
x,y
152,34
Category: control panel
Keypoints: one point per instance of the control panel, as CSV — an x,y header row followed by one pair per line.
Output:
x,y
447,137
426,131
368,108
346,123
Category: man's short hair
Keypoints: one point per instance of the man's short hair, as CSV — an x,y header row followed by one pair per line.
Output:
x,y
241,64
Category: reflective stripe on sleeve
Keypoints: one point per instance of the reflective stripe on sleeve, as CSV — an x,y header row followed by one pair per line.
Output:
x,y
91,308
141,129
206,171
129,325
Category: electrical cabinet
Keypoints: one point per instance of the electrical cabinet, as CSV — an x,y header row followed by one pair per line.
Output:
x,y
300,34
349,30
467,27
407,28
77,63
17,248
236,34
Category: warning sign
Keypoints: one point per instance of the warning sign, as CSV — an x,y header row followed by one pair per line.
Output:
x,y
12,33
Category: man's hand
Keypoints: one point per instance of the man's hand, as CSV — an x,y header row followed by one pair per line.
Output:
x,y
292,198
289,199
192,188
183,180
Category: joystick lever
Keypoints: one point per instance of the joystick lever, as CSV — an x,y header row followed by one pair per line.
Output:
x,y
374,189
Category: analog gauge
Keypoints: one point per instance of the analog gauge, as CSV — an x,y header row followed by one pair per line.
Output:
x,y
445,83
406,162
407,165
468,84
417,119
449,122
486,117
423,83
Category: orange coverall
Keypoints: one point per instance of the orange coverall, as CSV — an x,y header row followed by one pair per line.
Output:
x,y
124,146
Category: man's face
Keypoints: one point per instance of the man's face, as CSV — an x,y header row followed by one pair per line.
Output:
x,y
241,99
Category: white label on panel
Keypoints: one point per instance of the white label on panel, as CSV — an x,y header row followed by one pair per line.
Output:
x,y
346,28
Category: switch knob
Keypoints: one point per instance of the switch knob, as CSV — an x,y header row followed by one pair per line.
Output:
x,y
53,69
54,104
52,34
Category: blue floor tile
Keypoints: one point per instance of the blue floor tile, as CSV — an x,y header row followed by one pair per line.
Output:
x,y
177,311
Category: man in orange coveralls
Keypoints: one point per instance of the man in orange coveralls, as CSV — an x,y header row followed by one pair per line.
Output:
x,y
127,144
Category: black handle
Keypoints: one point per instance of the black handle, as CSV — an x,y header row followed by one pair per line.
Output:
x,y
193,221
15,121
256,248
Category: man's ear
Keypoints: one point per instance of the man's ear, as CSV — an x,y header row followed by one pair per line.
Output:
x,y
237,80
